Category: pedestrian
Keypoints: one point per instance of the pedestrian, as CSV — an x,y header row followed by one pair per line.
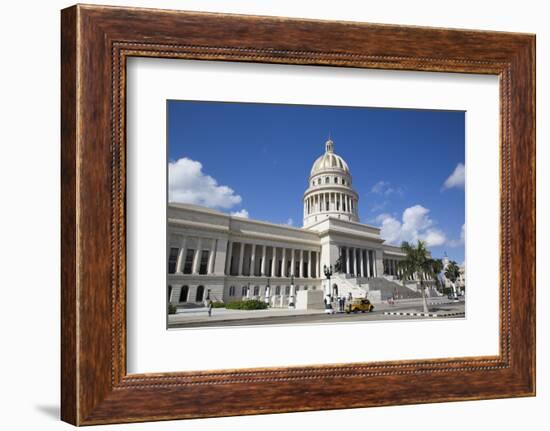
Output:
x,y
210,308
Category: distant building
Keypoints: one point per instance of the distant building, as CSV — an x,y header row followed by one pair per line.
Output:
x,y
460,282
213,255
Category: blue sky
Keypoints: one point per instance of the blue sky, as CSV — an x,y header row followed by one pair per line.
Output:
x,y
254,159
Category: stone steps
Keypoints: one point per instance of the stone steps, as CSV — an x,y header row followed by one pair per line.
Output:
x,y
376,288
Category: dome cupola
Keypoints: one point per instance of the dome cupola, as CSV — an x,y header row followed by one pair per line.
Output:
x,y
329,161
330,193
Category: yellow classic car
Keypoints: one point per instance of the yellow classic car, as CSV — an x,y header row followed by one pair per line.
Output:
x,y
359,304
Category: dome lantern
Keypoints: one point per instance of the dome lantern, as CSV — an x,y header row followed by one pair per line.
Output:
x,y
329,146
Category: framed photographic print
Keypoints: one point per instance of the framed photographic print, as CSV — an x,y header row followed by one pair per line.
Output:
x,y
267,215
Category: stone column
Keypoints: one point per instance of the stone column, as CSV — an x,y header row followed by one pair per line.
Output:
x,y
229,257
318,262
241,259
181,257
355,262
367,261
197,257
309,266
292,262
252,260
362,266
283,262
273,256
379,263
212,256
301,263
262,269
347,260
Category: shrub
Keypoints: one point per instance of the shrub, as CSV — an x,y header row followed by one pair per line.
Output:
x,y
172,309
250,304
218,304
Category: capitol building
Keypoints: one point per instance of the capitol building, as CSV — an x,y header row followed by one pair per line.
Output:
x,y
216,256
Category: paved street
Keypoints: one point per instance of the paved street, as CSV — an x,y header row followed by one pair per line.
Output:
x,y
221,318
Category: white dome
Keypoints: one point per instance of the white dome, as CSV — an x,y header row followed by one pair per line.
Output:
x,y
329,193
329,161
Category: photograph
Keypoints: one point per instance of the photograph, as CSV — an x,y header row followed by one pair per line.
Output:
x,y
285,214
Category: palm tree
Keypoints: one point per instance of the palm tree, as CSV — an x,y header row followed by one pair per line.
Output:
x,y
452,272
419,264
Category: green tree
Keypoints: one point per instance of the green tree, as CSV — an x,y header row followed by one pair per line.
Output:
x,y
418,264
452,272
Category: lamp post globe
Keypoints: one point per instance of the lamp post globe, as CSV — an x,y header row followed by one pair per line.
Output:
x,y
328,297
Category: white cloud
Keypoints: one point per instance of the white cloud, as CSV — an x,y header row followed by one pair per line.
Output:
x,y
458,242
385,188
290,222
456,179
415,224
241,213
187,183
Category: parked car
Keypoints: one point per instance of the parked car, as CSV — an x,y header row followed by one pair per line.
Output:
x,y
359,304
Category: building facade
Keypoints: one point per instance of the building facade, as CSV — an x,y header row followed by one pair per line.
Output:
x,y
219,257
460,283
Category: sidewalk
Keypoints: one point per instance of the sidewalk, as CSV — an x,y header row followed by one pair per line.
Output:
x,y
222,314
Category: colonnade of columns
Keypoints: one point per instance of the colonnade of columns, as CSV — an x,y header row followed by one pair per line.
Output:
x,y
192,249
360,262
391,267
330,201
250,259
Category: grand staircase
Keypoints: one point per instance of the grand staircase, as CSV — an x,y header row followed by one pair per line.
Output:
x,y
377,288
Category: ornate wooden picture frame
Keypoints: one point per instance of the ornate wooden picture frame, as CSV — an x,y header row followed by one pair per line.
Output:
x,y
96,42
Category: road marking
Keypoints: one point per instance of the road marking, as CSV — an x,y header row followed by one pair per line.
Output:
x,y
399,313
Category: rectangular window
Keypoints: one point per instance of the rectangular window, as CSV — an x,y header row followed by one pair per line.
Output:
x,y
172,260
243,291
188,266
203,268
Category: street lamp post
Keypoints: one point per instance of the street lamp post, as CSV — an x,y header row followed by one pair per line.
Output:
x,y
328,297
292,293
248,291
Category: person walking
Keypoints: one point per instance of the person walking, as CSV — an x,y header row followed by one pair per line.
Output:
x,y
210,308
